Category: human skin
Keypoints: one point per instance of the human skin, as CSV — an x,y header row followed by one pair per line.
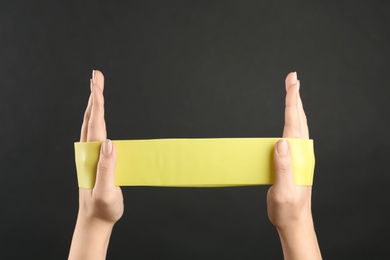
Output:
x,y
101,207
289,206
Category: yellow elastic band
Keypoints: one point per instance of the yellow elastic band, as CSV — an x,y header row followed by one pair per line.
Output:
x,y
214,162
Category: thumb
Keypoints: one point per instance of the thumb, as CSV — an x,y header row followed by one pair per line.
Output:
x,y
105,177
283,173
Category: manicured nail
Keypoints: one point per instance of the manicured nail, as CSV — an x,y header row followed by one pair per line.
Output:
x,y
93,77
299,85
107,147
282,147
90,84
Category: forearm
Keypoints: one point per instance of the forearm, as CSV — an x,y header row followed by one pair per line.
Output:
x,y
299,242
90,239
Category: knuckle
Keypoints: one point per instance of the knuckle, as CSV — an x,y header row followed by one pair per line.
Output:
x,y
104,165
283,167
283,198
95,125
92,125
104,199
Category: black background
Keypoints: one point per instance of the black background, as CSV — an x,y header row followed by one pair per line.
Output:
x,y
194,69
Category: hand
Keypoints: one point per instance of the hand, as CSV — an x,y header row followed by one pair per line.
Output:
x,y
105,201
101,207
289,206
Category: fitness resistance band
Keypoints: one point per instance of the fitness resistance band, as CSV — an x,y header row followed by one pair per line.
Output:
x,y
213,162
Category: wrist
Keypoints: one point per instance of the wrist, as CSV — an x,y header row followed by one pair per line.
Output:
x,y
299,240
297,232
93,226
296,226
90,239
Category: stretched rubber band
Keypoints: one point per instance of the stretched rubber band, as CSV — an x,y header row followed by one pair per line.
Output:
x,y
214,162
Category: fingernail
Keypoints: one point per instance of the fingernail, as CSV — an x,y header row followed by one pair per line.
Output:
x,y
90,84
107,147
93,76
299,85
295,76
282,147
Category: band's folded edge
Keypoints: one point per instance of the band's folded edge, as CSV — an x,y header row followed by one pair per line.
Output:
x,y
203,162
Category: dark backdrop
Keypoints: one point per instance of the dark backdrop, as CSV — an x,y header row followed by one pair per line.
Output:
x,y
194,69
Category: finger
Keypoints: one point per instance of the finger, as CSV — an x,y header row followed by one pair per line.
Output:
x,y
98,78
87,115
302,118
292,78
97,125
295,117
283,173
105,176
291,115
